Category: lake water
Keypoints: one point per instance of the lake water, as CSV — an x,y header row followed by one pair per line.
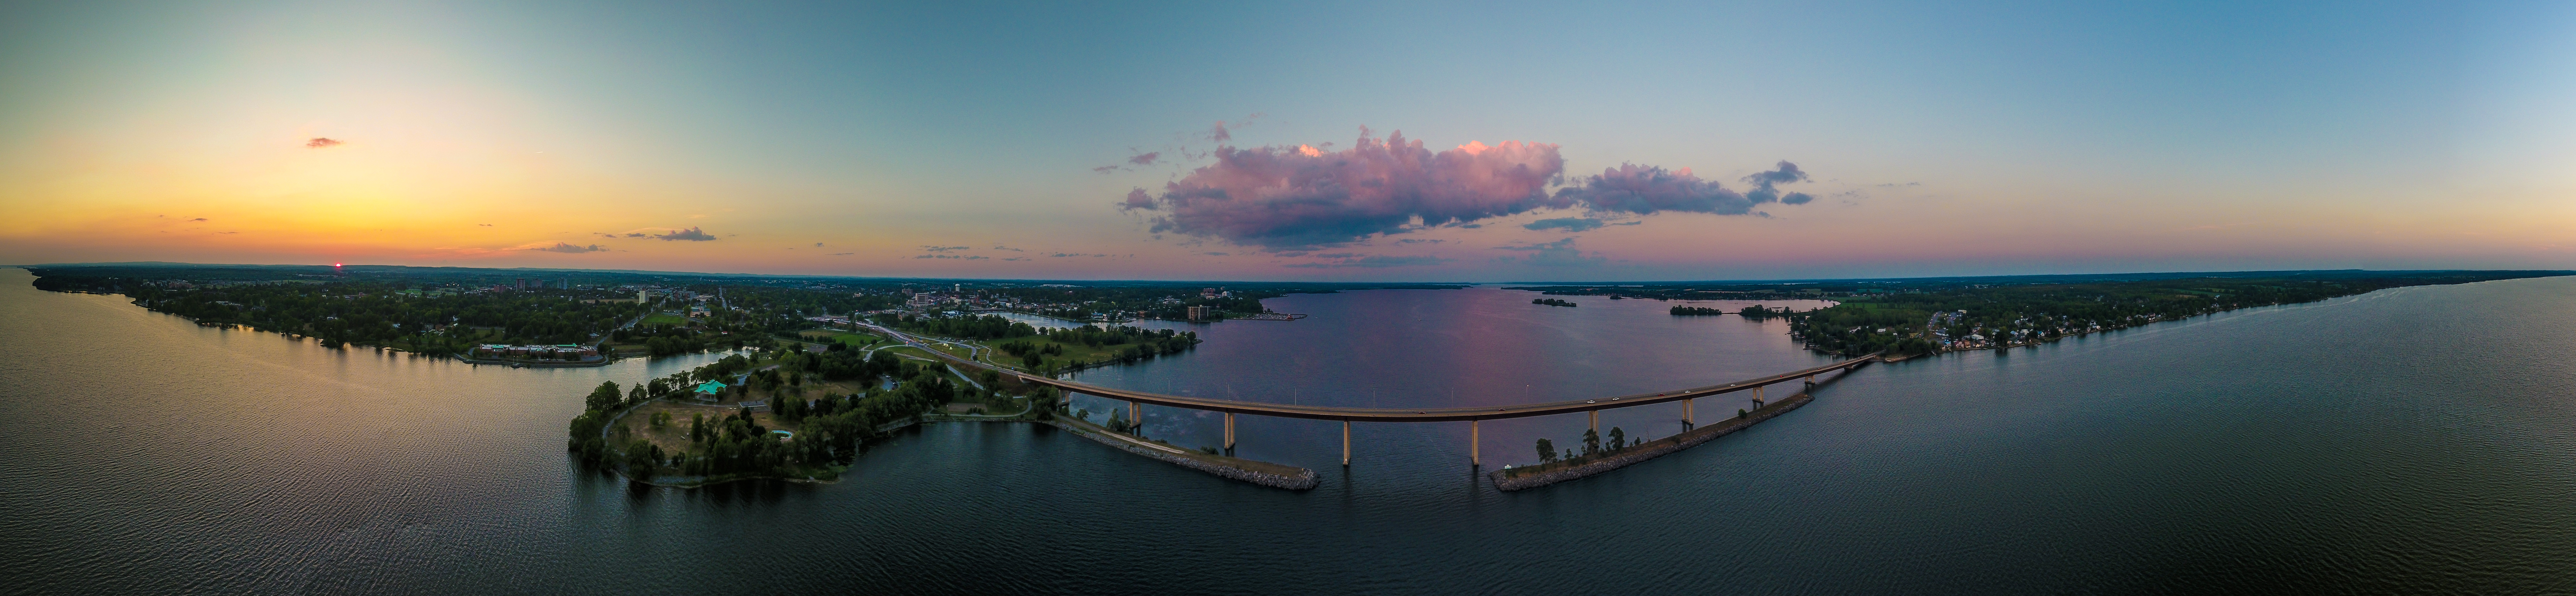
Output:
x,y
2412,440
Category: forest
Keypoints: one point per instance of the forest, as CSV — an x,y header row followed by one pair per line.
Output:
x,y
1922,320
417,317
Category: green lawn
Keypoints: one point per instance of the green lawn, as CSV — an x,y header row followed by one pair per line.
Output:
x,y
1072,351
855,340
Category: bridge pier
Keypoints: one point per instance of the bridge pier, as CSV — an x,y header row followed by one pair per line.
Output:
x,y
1229,433
1135,419
1596,420
1757,397
1346,443
1687,420
1475,459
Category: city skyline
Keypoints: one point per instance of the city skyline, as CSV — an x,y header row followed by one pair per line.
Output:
x,y
1644,142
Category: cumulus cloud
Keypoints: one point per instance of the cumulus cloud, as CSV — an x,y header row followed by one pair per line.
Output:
x,y
1288,197
1786,173
1561,253
1285,198
321,142
562,247
1570,224
1644,190
692,234
1370,261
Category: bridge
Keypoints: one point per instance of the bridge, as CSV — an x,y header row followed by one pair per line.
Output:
x,y
1593,407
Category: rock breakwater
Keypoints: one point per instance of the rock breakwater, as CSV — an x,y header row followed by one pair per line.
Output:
x,y
1507,480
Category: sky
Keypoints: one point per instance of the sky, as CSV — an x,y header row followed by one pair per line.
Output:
x,y
1297,141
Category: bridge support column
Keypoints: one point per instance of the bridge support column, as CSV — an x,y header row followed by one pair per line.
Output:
x,y
1346,443
1135,419
1757,397
1687,419
1596,421
1475,436
1229,433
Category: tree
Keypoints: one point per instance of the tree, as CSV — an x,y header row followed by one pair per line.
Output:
x,y
1618,439
604,397
1591,442
1546,450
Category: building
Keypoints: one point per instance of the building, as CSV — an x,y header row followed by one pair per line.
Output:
x,y
1198,313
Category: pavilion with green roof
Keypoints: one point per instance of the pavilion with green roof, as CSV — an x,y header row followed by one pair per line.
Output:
x,y
711,387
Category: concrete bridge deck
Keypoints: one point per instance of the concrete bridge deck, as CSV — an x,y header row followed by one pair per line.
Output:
x,y
1472,415
1390,414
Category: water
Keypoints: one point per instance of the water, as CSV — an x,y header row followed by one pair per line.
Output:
x,y
2413,440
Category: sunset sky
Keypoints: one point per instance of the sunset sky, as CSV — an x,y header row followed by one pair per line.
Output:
x,y
1556,141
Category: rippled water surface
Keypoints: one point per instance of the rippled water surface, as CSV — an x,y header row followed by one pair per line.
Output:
x,y
2419,440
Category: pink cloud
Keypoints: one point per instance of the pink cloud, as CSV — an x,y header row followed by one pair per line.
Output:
x,y
1287,197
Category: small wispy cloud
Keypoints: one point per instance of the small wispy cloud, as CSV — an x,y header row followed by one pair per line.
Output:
x,y
562,247
962,257
322,142
198,219
1570,224
942,248
693,234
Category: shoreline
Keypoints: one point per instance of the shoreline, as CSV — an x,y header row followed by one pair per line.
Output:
x,y
1304,479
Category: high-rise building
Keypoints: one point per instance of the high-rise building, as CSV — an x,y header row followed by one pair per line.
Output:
x,y
1198,313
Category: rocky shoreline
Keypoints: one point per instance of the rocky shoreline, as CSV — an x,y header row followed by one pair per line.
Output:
x,y
1650,450
1304,480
